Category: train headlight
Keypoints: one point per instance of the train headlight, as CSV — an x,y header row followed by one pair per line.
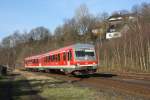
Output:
x,y
94,63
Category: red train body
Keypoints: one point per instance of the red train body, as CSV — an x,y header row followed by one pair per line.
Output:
x,y
76,59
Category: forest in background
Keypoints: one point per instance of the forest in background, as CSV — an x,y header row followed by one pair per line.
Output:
x,y
131,52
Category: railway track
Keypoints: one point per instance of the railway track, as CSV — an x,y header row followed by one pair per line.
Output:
x,y
127,84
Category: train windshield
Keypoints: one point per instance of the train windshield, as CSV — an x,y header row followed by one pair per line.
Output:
x,y
85,54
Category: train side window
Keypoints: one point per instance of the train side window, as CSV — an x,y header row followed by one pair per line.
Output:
x,y
64,56
45,60
36,61
58,57
48,58
33,61
69,55
53,57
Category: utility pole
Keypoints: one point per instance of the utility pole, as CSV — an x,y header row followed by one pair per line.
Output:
x,y
12,44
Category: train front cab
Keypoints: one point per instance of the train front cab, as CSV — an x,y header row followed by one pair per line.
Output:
x,y
85,61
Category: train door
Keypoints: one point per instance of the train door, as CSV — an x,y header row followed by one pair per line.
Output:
x,y
67,55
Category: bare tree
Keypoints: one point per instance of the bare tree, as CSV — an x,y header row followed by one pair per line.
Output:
x,y
39,33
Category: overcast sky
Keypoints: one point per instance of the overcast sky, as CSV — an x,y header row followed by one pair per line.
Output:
x,y
27,14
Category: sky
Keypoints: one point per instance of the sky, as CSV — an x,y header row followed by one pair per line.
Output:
x,y
25,15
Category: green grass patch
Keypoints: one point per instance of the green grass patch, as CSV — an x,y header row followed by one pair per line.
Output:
x,y
67,93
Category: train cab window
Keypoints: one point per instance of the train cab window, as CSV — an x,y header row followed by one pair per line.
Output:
x,y
64,56
86,54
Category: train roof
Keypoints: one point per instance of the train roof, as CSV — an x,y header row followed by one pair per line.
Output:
x,y
78,45
81,45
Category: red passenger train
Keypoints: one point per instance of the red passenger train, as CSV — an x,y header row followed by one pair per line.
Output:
x,y
75,59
